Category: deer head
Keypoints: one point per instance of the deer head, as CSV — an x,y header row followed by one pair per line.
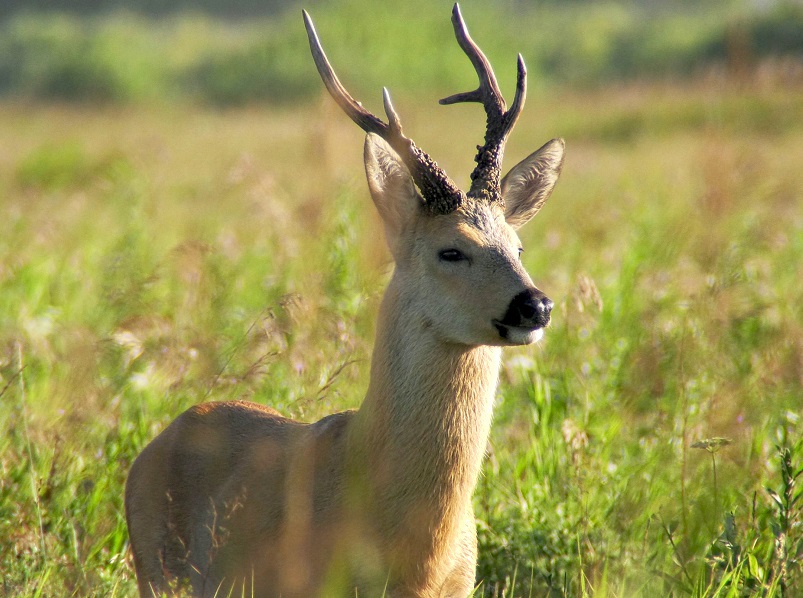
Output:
x,y
457,255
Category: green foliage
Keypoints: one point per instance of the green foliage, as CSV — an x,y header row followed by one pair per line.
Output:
x,y
775,32
54,167
267,69
125,57
66,58
58,166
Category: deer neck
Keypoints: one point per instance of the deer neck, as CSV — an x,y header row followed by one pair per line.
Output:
x,y
423,427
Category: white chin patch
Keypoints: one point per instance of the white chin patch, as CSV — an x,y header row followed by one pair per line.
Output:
x,y
524,336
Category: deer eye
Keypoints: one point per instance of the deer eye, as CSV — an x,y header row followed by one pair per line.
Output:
x,y
451,255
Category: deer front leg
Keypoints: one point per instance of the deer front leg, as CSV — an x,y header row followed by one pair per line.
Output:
x,y
459,582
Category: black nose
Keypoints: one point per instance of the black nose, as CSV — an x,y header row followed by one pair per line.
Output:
x,y
529,309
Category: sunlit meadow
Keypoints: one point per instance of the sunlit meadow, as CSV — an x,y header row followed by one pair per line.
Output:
x,y
155,255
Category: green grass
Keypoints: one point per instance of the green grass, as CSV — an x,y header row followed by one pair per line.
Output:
x,y
152,258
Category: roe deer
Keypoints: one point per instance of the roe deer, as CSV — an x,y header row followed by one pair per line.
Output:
x,y
234,497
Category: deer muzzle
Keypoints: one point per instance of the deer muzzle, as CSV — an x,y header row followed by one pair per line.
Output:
x,y
528,313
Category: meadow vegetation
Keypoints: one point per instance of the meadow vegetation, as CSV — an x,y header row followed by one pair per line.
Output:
x,y
155,254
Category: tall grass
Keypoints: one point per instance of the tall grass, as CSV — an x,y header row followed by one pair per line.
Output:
x,y
155,258
156,255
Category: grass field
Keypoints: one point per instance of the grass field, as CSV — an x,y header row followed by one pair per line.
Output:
x,y
155,257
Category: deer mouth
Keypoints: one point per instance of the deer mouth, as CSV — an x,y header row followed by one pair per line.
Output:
x,y
519,335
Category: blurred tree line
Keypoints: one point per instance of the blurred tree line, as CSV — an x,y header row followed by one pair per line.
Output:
x,y
239,51
154,8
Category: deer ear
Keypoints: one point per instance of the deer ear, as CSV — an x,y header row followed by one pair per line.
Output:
x,y
391,185
530,182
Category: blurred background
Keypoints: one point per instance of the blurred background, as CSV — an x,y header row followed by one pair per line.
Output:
x,y
234,52
184,217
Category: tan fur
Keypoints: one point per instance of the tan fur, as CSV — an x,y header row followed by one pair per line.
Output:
x,y
235,496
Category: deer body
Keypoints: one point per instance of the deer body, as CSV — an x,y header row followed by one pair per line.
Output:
x,y
413,457
233,496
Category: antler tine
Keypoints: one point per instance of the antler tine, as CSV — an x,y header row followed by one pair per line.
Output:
x,y
485,180
440,194
488,92
362,117
512,115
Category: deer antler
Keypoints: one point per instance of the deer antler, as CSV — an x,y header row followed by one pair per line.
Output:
x,y
485,180
440,194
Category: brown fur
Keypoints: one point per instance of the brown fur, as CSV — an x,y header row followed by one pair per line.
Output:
x,y
235,496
